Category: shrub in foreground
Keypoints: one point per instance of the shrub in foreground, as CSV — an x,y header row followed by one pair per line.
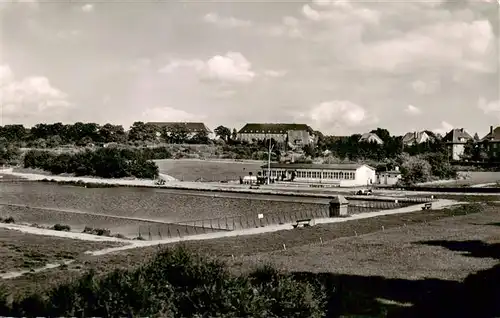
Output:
x,y
61,227
176,283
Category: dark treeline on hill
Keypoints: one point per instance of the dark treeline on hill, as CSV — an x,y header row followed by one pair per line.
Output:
x,y
175,283
103,162
82,134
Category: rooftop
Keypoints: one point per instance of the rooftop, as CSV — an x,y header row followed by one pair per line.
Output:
x,y
188,126
456,134
339,166
274,128
493,136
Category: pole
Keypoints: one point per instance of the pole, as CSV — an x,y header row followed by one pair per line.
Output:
x,y
269,163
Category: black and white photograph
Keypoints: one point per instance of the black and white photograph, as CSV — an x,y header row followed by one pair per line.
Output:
x,y
250,158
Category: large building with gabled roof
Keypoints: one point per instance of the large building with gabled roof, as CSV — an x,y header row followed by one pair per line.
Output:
x,y
296,134
192,128
456,139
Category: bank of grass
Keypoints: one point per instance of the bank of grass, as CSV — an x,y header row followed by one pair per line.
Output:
x,y
22,251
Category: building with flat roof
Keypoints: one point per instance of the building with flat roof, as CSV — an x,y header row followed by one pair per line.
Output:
x,y
342,175
294,134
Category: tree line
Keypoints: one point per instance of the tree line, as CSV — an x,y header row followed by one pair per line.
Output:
x,y
103,162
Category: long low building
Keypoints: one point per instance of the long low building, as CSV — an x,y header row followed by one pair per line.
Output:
x,y
343,175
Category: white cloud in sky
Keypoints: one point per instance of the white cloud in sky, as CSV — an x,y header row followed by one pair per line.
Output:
x,y
168,114
490,108
444,129
32,97
413,110
232,67
337,115
227,22
275,73
88,7
426,87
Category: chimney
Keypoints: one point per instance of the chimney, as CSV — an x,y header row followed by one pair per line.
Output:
x,y
491,130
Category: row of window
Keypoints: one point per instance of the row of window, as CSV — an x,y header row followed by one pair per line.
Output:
x,y
333,175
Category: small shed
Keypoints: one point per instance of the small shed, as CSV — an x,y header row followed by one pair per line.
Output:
x,y
339,206
389,177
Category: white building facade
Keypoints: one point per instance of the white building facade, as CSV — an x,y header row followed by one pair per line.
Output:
x,y
342,175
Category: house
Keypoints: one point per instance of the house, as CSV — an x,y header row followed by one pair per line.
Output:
x,y
191,128
343,175
491,142
371,137
455,140
294,134
416,137
389,177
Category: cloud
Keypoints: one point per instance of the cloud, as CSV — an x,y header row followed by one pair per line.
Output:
x,y
364,36
489,108
426,87
413,110
332,117
88,8
139,65
444,129
232,67
168,114
214,18
32,97
275,73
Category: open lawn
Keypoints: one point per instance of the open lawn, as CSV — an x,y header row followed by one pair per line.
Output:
x,y
207,170
244,252
20,251
473,178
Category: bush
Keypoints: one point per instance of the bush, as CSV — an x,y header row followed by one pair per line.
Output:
x,y
61,227
97,231
8,220
177,283
103,162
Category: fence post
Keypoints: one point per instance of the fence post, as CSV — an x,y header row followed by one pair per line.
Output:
x,y
179,233
241,223
139,231
255,222
227,225
219,222
150,236
234,225
211,225
187,231
168,232
159,233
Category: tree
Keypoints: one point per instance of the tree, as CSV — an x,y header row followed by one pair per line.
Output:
x,y
223,132
178,134
112,133
200,138
142,132
234,135
414,169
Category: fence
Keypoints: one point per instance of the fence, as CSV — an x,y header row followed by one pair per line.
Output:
x,y
241,222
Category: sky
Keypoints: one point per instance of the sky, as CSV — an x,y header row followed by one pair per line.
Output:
x,y
340,66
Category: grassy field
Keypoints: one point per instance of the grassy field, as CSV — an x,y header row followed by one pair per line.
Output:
x,y
21,251
474,177
244,253
207,170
